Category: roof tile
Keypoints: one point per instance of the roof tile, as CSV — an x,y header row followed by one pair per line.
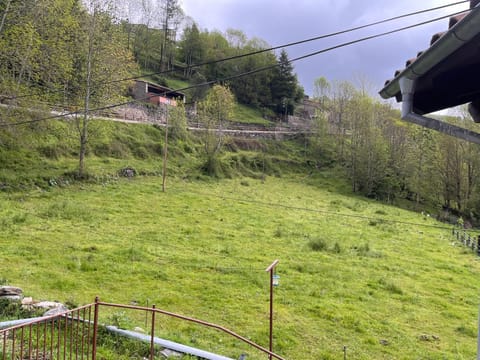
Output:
x,y
455,19
437,36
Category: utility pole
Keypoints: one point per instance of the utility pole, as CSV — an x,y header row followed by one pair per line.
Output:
x,y
165,151
273,282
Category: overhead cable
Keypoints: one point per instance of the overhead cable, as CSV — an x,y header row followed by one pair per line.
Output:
x,y
247,73
320,37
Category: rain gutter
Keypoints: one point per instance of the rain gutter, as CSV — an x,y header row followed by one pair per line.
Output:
x,y
460,34
404,83
407,87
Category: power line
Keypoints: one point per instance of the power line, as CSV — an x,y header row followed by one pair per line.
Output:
x,y
247,73
325,212
320,37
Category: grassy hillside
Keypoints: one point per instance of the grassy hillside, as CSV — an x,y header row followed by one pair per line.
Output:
x,y
382,281
40,154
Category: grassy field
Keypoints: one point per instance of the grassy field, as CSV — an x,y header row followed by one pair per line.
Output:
x,y
245,114
384,282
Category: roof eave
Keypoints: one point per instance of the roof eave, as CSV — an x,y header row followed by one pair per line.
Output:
x,y
456,37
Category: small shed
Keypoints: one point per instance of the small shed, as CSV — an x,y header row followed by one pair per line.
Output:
x,y
156,94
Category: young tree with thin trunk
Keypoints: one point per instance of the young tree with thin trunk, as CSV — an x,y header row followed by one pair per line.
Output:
x,y
214,111
102,59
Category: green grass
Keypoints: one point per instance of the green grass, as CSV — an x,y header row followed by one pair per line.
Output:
x,y
248,115
349,275
354,272
176,84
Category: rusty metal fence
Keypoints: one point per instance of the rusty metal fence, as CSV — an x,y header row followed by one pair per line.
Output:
x,y
68,335
73,334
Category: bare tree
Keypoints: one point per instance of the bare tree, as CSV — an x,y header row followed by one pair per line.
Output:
x,y
172,16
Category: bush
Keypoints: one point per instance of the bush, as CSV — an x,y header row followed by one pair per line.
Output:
x,y
318,245
140,152
337,249
53,151
214,167
15,310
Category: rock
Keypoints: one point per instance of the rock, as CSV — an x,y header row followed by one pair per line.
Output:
x,y
47,304
10,291
426,337
56,311
53,307
384,342
127,172
170,353
27,301
139,330
13,298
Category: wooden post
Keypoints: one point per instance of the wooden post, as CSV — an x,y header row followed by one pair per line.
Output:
x,y
165,151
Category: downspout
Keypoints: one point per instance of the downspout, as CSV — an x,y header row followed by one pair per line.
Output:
x,y
407,88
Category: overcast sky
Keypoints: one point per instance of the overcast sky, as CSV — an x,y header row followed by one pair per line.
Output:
x,y
283,21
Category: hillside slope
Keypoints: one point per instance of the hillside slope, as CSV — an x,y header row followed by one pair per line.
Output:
x,y
384,282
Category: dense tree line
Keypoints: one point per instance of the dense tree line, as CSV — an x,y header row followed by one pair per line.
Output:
x,y
389,159
64,53
275,89
167,40
45,48
49,49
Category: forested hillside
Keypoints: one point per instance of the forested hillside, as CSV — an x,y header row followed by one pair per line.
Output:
x,y
388,159
61,50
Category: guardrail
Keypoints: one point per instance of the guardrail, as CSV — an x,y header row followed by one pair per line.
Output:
x,y
73,334
66,335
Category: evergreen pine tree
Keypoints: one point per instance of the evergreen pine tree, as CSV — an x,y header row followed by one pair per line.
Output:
x,y
284,86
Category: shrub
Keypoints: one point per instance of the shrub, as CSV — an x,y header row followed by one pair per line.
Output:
x,y
140,152
337,249
318,245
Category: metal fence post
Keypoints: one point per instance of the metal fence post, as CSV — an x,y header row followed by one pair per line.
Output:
x,y
95,329
152,336
478,336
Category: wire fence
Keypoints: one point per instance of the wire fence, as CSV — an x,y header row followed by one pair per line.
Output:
x,y
470,241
